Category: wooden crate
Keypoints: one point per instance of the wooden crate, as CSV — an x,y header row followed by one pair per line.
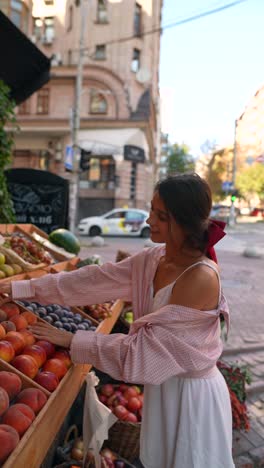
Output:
x,y
32,232
36,441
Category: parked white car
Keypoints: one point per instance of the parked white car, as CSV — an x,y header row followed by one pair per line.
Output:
x,y
127,222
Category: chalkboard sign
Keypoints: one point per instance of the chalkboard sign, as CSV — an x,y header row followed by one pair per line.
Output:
x,y
39,198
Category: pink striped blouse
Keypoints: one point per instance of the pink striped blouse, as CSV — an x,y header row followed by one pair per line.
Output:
x,y
173,340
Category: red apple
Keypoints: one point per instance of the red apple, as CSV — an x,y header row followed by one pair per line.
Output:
x,y
131,417
134,404
107,390
123,387
130,392
120,412
103,399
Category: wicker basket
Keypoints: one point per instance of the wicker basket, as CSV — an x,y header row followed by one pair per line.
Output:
x,y
124,438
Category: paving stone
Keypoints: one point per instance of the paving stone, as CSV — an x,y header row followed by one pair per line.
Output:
x,y
258,456
254,437
243,462
241,445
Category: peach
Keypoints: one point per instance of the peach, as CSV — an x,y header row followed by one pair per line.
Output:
x,y
8,326
9,439
19,321
16,340
64,356
2,332
30,317
28,336
37,352
3,315
19,416
7,352
56,366
11,383
47,380
32,397
4,401
10,308
26,364
49,347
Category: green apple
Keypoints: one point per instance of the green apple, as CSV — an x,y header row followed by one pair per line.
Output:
x,y
2,259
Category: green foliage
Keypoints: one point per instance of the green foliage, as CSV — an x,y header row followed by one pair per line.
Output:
x,y
179,160
251,182
7,117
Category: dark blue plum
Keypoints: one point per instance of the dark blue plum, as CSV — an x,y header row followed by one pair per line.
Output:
x,y
58,323
74,327
67,326
48,319
81,326
93,328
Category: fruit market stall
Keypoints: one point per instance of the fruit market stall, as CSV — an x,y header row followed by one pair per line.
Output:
x,y
41,381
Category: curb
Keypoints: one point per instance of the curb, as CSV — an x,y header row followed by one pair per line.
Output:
x,y
245,349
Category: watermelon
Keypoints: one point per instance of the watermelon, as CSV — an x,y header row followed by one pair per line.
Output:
x,y
65,239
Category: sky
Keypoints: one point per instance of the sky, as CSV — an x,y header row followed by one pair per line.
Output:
x,y
209,69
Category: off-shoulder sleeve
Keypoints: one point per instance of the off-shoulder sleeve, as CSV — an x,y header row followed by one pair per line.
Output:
x,y
88,285
153,354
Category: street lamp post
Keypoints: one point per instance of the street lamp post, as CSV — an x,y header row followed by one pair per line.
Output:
x,y
232,218
74,181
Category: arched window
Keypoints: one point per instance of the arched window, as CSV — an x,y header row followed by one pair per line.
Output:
x,y
98,103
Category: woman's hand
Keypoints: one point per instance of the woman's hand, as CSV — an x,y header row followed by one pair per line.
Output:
x,y
45,331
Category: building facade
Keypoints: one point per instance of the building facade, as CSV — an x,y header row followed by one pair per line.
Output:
x,y
119,130
249,133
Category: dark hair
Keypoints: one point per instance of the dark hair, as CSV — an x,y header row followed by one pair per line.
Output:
x,y
188,199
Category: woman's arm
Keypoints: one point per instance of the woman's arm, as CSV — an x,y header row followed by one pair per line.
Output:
x,y
88,285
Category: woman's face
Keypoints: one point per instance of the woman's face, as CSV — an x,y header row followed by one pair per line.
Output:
x,y
163,228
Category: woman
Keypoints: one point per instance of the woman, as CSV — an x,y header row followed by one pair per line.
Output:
x,y
173,346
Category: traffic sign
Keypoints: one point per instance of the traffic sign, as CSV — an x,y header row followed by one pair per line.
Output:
x,y
227,186
68,158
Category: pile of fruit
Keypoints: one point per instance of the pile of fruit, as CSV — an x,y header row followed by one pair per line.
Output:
x,y
39,360
18,409
108,458
60,317
18,255
125,401
99,311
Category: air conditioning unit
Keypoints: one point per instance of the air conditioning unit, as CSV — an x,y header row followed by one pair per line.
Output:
x,y
56,59
47,39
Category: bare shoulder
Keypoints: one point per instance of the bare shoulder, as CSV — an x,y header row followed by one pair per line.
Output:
x,y
197,288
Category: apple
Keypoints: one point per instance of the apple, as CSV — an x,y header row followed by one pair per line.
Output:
x,y
134,404
130,392
131,417
107,390
123,387
103,399
120,412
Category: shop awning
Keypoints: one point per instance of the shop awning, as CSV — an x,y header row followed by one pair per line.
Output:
x,y
23,67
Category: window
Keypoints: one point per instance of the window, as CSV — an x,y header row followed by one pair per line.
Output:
x,y
100,52
43,101
70,18
100,173
49,30
17,11
135,64
98,103
37,27
49,2
101,11
24,108
116,215
137,20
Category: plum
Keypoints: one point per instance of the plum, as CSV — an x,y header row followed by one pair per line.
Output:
x,y
48,319
64,320
58,323
54,316
92,328
81,326
49,309
74,327
70,314
89,323
67,326
41,310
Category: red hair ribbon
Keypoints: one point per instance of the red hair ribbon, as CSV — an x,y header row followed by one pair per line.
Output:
x,y
215,234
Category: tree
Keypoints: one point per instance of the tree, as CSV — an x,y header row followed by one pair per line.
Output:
x,y
179,160
7,117
219,170
250,182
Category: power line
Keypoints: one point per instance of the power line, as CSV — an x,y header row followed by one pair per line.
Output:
x,y
176,23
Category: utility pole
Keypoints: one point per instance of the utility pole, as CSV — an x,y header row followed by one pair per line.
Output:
x,y
232,217
74,181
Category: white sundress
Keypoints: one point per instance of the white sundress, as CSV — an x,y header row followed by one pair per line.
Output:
x,y
187,422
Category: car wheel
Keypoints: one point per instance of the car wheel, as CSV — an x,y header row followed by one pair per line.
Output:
x,y
145,233
95,231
